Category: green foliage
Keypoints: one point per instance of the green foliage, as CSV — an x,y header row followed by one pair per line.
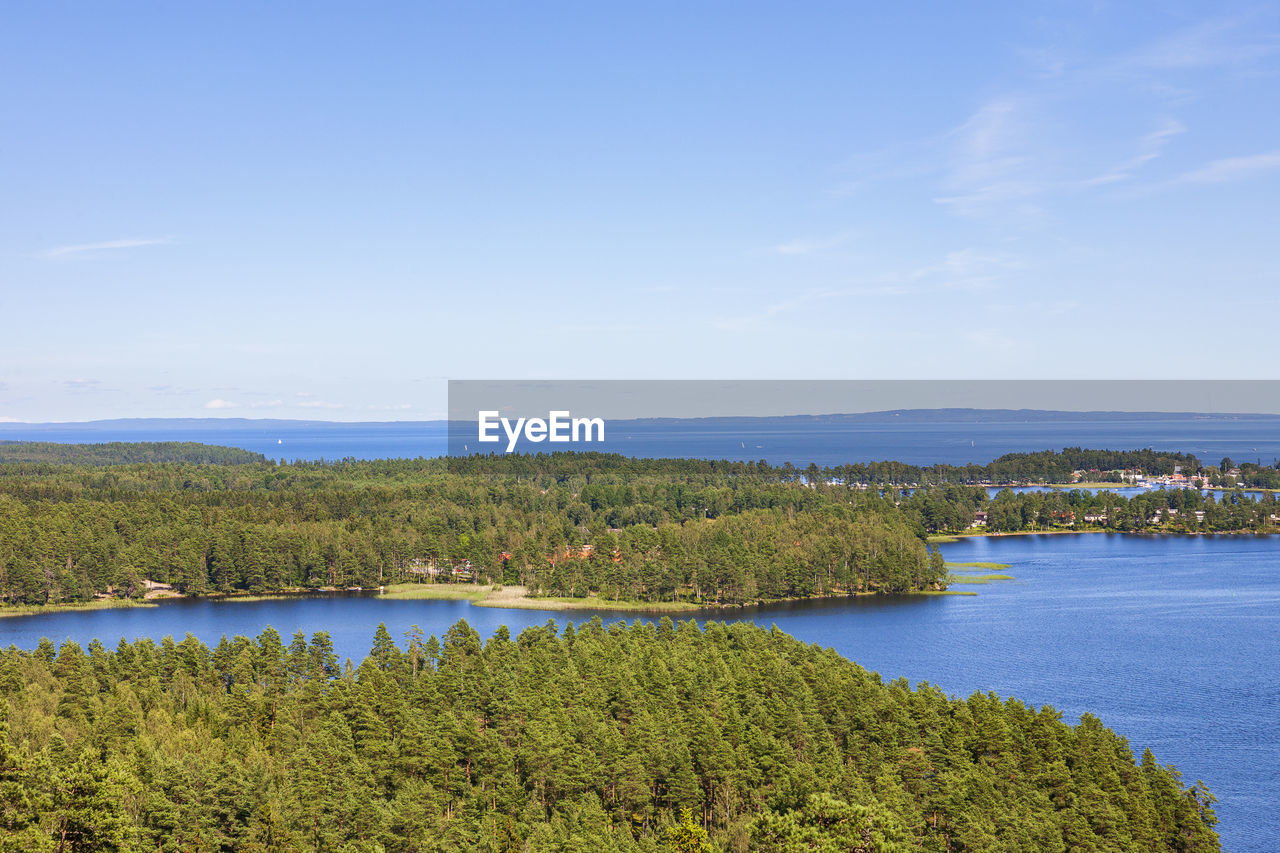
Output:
x,y
617,738
124,453
565,525
1044,466
687,836
830,825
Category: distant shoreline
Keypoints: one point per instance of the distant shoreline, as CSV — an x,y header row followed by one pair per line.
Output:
x,y
944,538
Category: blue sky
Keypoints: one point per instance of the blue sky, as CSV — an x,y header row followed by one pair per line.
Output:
x,y
324,210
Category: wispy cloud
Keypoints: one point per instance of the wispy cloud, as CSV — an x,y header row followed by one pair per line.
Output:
x,y
1217,42
1150,147
813,245
166,390
1231,169
993,167
105,246
1020,150
81,384
221,404
320,404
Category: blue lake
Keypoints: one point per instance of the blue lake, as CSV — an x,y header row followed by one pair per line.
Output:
x,y
798,442
1172,641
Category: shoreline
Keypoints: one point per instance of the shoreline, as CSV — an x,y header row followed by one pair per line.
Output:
x,y
944,538
506,597
1104,486
514,597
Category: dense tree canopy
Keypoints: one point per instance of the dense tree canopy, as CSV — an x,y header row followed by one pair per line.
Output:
x,y
641,738
573,525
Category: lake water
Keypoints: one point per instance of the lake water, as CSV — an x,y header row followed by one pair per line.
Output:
x,y
1172,641
798,442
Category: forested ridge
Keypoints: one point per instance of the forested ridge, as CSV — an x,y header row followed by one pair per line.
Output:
x,y
124,452
591,739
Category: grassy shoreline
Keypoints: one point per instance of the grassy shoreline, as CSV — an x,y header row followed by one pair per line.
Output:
x,y
7,610
977,580
518,598
509,597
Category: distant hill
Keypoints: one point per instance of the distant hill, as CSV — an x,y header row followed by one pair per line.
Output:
x,y
124,453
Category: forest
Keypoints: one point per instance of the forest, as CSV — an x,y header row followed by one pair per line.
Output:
x,y
646,737
125,452
952,509
622,529
1046,466
571,525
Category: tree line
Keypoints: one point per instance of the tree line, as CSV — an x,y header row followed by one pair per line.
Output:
x,y
953,509
123,453
1045,466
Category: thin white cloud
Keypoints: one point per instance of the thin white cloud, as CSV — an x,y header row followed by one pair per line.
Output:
x,y
993,167
1231,169
107,245
1150,147
266,404
5,419
1218,42
221,404
320,404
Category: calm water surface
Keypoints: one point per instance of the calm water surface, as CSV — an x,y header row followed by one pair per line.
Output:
x,y
1172,641
919,443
